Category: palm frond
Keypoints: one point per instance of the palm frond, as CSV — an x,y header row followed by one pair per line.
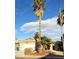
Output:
x,y
60,19
38,4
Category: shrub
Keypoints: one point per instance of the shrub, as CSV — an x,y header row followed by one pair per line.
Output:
x,y
28,51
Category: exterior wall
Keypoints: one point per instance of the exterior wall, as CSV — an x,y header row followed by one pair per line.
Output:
x,y
27,45
51,46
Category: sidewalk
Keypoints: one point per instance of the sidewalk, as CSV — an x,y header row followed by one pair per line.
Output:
x,y
20,54
57,52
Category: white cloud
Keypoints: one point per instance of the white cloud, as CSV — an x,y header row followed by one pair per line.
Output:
x,y
29,25
49,26
46,23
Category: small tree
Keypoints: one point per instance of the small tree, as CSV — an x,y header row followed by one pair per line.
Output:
x,y
45,41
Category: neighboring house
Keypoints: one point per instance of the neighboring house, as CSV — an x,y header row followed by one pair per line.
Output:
x,y
24,43
58,45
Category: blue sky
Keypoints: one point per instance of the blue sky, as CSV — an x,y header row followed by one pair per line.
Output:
x,y
27,22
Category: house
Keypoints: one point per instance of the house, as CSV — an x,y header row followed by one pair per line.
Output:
x,y
21,44
58,46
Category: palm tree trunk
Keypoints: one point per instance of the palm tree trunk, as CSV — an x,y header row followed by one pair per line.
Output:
x,y
60,23
40,25
61,28
40,30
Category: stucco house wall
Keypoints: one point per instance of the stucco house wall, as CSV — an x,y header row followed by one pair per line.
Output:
x,y
25,43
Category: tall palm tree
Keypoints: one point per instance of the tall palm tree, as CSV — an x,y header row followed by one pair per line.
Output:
x,y
60,21
39,9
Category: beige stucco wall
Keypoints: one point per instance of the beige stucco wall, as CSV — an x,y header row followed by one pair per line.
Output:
x,y
27,45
